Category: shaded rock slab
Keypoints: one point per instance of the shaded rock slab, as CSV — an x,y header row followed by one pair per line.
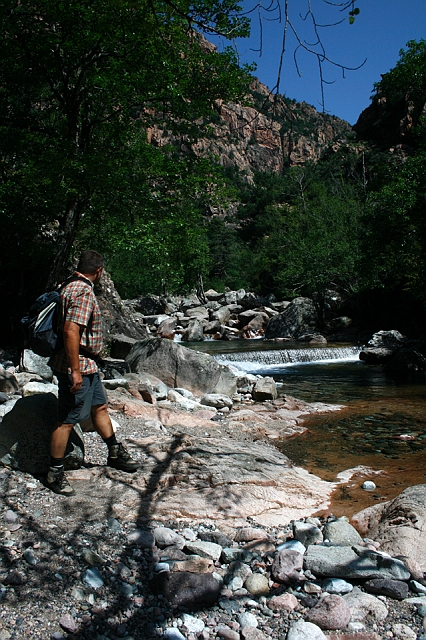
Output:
x,y
399,525
178,366
344,562
222,480
187,589
25,436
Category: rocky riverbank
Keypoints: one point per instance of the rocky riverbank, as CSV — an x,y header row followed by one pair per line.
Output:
x,y
214,537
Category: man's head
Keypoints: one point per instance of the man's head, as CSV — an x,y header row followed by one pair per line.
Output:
x,y
91,264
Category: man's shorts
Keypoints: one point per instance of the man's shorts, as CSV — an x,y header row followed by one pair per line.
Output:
x,y
76,407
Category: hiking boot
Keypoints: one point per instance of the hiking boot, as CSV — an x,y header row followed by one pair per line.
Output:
x,y
57,481
120,458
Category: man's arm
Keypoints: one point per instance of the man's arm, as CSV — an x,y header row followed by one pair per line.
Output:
x,y
72,333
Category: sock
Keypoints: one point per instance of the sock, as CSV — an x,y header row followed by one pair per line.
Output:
x,y
57,463
111,441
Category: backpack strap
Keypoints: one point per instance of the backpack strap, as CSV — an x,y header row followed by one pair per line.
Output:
x,y
74,279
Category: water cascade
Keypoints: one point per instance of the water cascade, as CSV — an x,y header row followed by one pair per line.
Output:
x,y
291,356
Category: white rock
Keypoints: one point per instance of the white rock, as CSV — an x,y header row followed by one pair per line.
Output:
x,y
35,388
247,619
173,634
295,545
336,586
32,363
369,485
403,631
192,624
302,630
116,382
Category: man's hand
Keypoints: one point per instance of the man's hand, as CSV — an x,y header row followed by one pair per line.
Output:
x,y
77,381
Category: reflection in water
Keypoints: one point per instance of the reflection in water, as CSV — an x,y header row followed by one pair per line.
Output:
x,y
382,427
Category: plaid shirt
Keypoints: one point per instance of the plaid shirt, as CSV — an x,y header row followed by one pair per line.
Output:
x,y
79,305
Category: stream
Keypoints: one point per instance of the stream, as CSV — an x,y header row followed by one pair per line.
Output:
x,y
382,427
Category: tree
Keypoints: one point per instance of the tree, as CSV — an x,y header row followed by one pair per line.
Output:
x,y
78,82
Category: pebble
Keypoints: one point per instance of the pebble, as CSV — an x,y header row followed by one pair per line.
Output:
x,y
93,578
368,485
247,619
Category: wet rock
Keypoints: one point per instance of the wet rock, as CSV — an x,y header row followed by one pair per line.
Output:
x,y
391,588
341,532
287,566
187,589
331,612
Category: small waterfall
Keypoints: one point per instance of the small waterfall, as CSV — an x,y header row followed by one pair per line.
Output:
x,y
291,356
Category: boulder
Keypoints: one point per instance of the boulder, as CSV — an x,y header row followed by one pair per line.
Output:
x,y
298,318
265,389
376,355
121,345
194,332
117,318
217,400
34,388
25,436
222,315
201,313
8,382
32,363
178,366
387,339
406,361
150,305
398,525
341,532
330,612
167,329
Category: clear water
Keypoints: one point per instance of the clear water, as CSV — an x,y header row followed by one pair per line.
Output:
x,y
382,427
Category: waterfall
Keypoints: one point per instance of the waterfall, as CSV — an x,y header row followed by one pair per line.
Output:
x,y
290,356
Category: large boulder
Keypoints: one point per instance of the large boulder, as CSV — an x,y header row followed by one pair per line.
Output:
x,y
406,361
25,436
399,525
298,318
116,317
387,339
178,366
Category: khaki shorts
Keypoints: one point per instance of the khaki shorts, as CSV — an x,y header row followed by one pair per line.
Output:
x,y
76,407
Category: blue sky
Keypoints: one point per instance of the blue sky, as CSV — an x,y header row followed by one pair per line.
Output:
x,y
381,29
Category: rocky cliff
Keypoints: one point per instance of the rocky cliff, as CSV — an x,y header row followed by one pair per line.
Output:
x,y
264,134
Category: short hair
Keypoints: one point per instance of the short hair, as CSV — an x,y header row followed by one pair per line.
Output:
x,y
89,262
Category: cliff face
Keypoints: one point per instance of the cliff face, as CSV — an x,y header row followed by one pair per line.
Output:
x,y
263,135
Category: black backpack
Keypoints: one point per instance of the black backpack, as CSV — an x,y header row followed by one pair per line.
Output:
x,y
40,326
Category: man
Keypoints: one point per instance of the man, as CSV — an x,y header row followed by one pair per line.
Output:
x,y
81,393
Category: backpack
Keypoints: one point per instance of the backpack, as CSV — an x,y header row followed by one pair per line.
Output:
x,y
40,326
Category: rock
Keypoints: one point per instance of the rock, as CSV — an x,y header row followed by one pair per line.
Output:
x,y
387,339
251,633
198,313
35,388
25,436
248,534
376,355
32,363
121,346
257,584
238,569
215,536
165,537
247,620
299,317
140,538
173,634
287,566
345,562
395,589
231,554
93,578
187,589
363,605
178,366
336,585
403,631
399,525
265,389
192,624
217,400
302,630
285,602
222,315
331,612
295,545
341,532
167,329
3,397
307,533
368,485
204,549
194,331
116,382
194,564
228,634
8,382
406,361
68,623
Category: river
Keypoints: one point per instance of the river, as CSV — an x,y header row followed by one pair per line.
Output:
x,y
382,427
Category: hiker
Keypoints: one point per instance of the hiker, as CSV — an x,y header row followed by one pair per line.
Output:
x,y
81,393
